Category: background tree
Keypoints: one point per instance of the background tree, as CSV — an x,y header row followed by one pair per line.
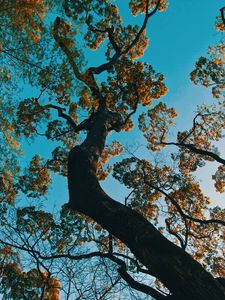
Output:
x,y
166,241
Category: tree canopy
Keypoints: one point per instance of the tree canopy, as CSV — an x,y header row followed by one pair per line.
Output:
x,y
165,240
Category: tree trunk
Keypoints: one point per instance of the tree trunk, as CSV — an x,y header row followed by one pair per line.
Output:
x,y
183,276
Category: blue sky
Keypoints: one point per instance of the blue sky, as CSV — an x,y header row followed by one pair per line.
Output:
x,y
178,37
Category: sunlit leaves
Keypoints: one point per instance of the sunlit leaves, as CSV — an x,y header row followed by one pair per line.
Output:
x,y
29,114
219,25
139,6
143,178
98,15
22,28
36,178
86,100
190,198
59,131
15,282
110,151
219,178
32,221
133,83
8,189
18,14
50,59
210,71
29,285
8,176
155,125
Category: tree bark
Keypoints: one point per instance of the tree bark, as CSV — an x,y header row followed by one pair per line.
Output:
x,y
183,276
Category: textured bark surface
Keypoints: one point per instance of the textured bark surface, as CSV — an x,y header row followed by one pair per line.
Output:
x,y
183,276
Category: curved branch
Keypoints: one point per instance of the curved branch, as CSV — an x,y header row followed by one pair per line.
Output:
x,y
109,31
184,215
61,114
122,269
147,16
119,53
180,239
87,77
84,125
140,286
192,148
193,128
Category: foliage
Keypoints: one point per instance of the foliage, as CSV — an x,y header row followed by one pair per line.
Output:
x,y
44,254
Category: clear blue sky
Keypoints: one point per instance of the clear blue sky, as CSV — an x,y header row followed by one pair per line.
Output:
x,y
178,37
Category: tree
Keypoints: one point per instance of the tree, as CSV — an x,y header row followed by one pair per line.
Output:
x,y
181,255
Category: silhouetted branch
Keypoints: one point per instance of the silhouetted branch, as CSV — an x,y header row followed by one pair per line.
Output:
x,y
119,53
61,114
222,11
109,31
140,286
143,27
192,148
135,108
184,215
21,60
87,77
175,234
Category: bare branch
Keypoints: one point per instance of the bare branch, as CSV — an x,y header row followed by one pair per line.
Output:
x,y
84,125
21,60
193,127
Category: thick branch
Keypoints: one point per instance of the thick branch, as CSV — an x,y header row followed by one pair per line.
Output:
x,y
168,262
204,152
